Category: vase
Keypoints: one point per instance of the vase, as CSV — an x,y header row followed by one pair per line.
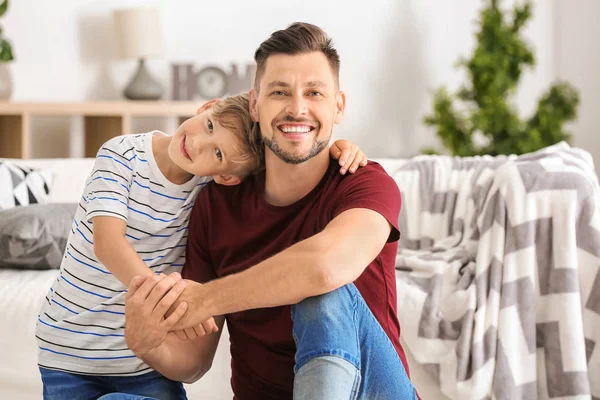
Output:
x,y
6,84
143,86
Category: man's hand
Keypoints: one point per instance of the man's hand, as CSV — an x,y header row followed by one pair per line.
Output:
x,y
207,327
197,314
148,300
349,155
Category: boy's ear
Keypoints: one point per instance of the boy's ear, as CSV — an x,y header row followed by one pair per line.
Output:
x,y
253,108
207,105
227,180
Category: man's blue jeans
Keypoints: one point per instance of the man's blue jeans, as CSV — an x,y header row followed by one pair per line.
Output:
x,y
342,351
65,386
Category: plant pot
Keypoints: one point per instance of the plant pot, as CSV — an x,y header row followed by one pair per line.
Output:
x,y
6,85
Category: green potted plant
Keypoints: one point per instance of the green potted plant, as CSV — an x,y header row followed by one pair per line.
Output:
x,y
6,56
487,122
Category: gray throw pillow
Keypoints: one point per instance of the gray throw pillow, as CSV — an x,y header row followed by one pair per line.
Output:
x,y
35,236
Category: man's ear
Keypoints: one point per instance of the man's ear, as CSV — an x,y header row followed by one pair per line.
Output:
x,y
227,180
207,105
340,106
253,107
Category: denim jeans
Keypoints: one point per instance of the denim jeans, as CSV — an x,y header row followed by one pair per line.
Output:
x,y
60,385
342,351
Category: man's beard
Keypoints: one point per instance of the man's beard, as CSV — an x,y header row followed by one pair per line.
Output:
x,y
292,158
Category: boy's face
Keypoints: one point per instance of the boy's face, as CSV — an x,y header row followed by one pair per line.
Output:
x,y
297,105
201,146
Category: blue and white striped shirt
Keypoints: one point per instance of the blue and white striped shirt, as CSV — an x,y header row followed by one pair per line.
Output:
x,y
80,326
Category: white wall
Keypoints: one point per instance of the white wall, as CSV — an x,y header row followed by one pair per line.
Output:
x,y
578,61
394,53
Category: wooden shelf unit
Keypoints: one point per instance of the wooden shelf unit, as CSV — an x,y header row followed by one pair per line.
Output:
x,y
102,120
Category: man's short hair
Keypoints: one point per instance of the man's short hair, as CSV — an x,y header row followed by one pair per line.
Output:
x,y
298,38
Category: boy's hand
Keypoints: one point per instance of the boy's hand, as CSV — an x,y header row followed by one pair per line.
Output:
x,y
206,328
350,156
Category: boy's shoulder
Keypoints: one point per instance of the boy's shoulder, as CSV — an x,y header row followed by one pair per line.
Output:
x,y
126,142
121,154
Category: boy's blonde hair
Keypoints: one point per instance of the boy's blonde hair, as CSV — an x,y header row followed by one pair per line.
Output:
x,y
233,113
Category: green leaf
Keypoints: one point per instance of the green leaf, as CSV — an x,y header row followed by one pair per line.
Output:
x,y
3,7
6,53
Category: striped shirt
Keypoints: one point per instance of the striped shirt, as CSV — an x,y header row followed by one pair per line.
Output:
x,y
81,323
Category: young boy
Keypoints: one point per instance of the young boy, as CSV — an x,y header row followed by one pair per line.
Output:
x,y
132,220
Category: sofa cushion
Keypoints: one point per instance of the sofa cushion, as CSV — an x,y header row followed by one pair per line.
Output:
x,y
21,185
68,175
35,236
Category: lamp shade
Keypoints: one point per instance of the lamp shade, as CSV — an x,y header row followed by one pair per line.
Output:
x,y
139,32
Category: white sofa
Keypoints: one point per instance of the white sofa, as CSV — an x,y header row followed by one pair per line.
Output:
x,y
22,292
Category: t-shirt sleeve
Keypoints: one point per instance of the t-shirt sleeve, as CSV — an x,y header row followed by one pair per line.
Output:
x,y
198,265
371,188
107,189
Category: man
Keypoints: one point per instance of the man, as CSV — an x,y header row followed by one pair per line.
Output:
x,y
277,255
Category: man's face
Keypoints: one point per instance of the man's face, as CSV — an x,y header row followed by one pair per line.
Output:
x,y
296,105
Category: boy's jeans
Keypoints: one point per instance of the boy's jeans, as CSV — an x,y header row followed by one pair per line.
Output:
x,y
60,385
342,351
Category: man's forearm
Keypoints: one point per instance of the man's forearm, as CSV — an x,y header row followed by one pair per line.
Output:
x,y
287,278
324,262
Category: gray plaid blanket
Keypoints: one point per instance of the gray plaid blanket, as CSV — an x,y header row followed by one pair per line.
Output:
x,y
498,273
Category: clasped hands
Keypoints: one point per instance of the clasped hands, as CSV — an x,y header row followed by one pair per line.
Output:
x,y
156,306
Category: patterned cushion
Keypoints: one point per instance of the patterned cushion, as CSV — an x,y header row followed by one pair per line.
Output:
x,y
35,237
21,186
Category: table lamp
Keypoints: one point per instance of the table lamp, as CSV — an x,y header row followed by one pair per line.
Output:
x,y
139,35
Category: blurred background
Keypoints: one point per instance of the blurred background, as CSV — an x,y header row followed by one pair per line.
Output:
x,y
395,54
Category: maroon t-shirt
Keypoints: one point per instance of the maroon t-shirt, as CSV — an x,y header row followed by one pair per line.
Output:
x,y
233,228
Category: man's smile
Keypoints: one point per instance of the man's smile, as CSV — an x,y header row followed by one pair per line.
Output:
x,y
295,131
